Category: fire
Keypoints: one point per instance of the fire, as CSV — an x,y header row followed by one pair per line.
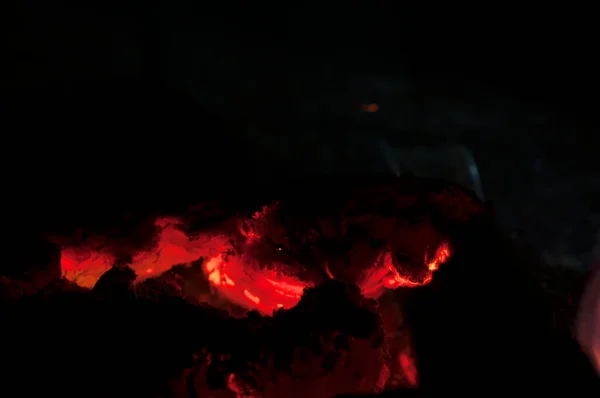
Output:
x,y
267,290
85,264
256,289
262,290
442,255
384,275
251,297
238,279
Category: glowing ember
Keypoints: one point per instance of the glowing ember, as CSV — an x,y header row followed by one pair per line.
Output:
x,y
442,255
258,289
409,368
234,386
384,275
257,223
247,285
263,290
84,265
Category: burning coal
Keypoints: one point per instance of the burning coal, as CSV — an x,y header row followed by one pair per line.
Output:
x,y
237,265
297,298
294,282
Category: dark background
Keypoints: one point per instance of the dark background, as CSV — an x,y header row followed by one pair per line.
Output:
x,y
106,103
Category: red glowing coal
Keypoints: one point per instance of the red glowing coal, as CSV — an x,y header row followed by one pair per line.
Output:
x,y
253,287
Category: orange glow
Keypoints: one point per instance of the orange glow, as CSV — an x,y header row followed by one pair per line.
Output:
x,y
370,108
84,265
384,275
215,273
442,255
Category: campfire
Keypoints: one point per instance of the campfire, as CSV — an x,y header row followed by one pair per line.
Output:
x,y
288,299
